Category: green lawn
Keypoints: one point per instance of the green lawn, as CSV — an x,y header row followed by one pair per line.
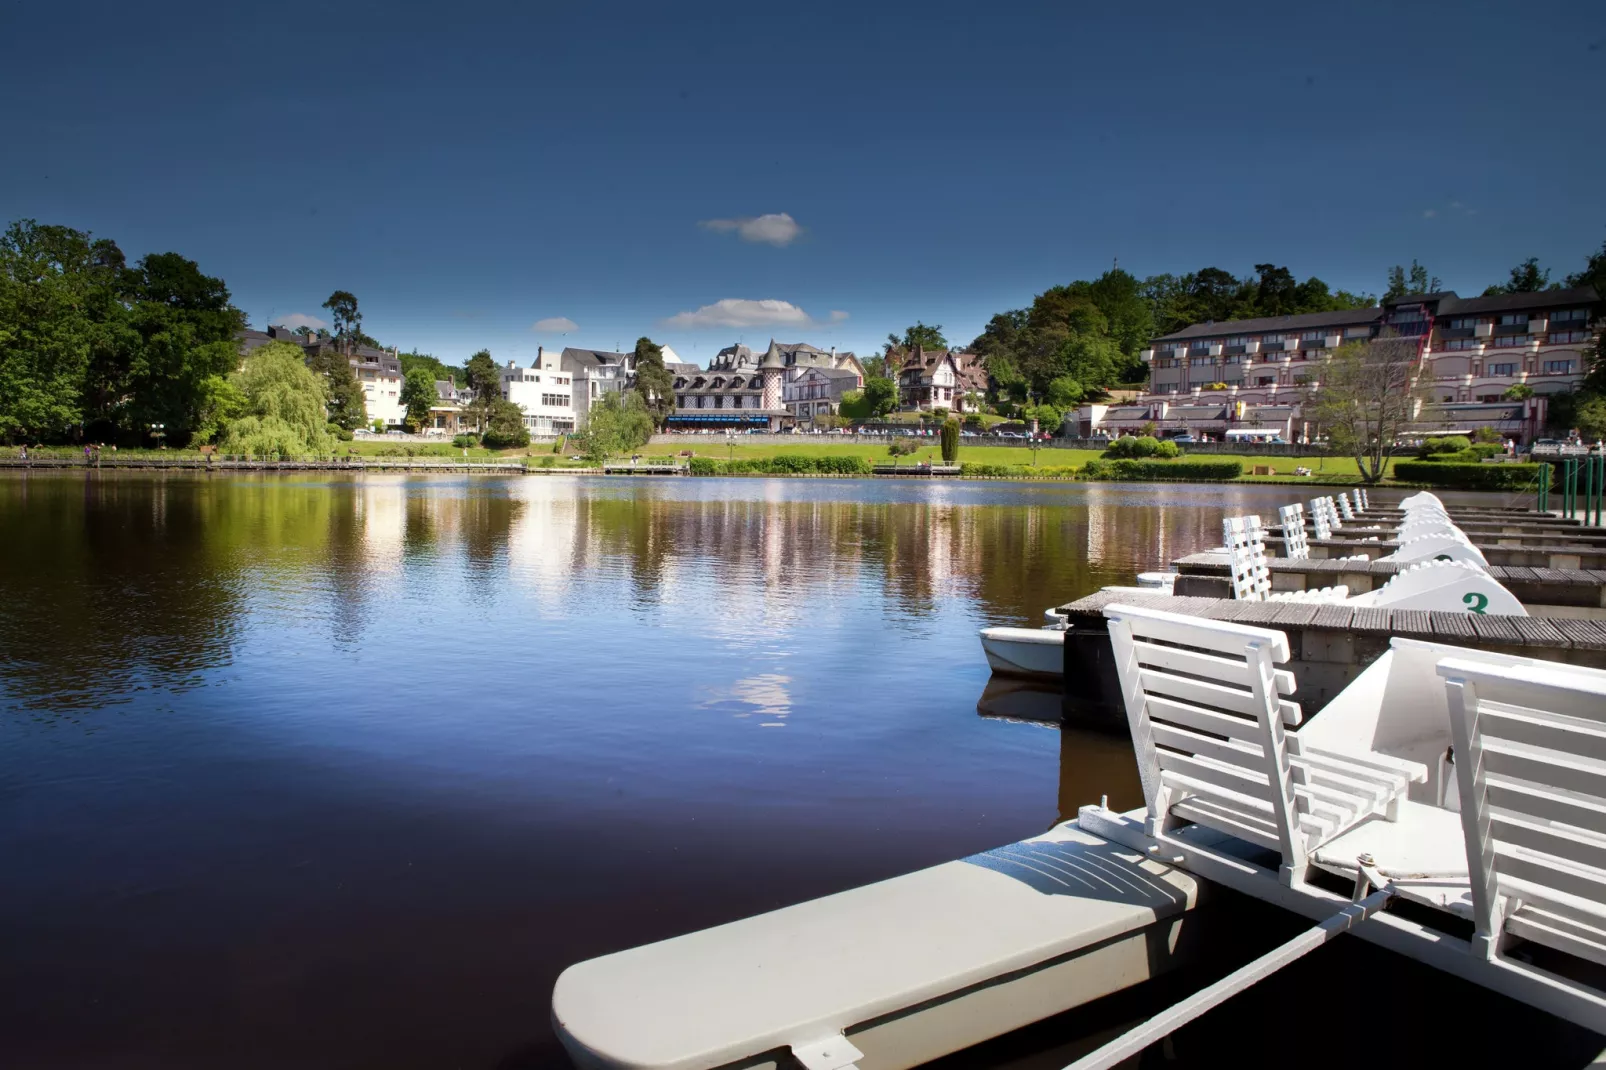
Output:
x,y
1322,468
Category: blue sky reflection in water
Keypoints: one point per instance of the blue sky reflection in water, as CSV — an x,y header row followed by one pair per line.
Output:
x,y
333,772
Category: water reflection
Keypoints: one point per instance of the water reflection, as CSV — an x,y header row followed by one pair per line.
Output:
x,y
379,756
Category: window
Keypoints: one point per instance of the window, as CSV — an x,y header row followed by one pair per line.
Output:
x,y
1558,367
1568,336
1463,323
1502,369
1200,362
1514,318
736,402
1166,362
1310,336
719,401
1461,343
1511,341
1165,388
1568,315
1236,340
1270,338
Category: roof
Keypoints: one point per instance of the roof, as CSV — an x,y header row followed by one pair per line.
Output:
x,y
591,358
830,372
1343,318
1577,295
446,390
772,357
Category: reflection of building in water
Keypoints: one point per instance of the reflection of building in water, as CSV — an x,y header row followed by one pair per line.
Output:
x,y
543,541
383,506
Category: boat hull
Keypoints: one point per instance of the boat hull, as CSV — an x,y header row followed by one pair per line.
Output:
x,y
1037,653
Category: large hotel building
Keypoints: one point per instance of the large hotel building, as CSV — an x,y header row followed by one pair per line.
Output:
x,y
1210,378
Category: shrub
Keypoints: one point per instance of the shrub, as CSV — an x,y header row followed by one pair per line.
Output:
x,y
844,465
1168,449
340,432
1142,446
902,447
950,441
549,461
1485,434
1445,444
379,427
466,441
1166,471
704,466
1462,476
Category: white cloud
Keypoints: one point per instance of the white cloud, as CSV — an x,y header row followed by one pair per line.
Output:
x,y
740,312
555,325
773,228
837,315
1429,213
299,319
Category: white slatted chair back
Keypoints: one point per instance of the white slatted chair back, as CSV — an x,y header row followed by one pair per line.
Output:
x,y
1530,747
1344,509
1208,711
1246,557
1448,586
1296,545
1355,502
1320,523
1363,497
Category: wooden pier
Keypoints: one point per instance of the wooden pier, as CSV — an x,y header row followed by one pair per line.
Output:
x,y
1331,644
645,469
1209,575
916,469
205,464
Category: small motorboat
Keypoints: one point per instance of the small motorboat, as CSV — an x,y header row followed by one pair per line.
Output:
x,y
1031,652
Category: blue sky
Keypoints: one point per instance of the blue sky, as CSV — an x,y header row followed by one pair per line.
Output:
x,y
472,170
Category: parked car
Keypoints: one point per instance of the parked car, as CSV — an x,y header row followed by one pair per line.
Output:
x,y
1185,440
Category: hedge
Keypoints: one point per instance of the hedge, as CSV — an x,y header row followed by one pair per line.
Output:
x,y
1017,471
1168,471
1467,476
785,464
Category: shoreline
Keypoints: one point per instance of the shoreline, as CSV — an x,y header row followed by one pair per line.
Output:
x,y
518,467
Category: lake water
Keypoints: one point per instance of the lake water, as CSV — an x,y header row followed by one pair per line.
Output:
x,y
344,771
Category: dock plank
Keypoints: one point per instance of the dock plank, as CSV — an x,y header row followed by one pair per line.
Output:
x,y
1412,622
1496,628
1456,627
1538,631
1294,613
1333,616
1372,619
1582,634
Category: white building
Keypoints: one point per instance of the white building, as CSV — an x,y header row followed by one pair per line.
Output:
x,y
545,393
380,376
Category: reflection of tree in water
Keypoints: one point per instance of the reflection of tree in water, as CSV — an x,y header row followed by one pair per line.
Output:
x,y
110,583
485,521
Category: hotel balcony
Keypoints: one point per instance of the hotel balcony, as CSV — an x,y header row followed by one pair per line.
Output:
x,y
1456,332
1538,326
1210,349
1483,330
1146,355
1506,330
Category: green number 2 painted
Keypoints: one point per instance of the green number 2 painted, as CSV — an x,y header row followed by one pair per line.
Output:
x,y
1475,602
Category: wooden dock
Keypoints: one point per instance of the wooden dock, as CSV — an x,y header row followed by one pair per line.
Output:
x,y
202,464
645,469
1209,575
1331,644
916,469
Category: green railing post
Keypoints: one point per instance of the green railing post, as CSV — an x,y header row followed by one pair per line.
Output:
x,y
1544,488
1569,485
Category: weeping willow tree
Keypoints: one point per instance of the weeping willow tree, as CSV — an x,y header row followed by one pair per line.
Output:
x,y
284,416
1366,396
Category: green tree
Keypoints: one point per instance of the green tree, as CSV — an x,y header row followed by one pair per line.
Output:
x,y
1406,282
1594,276
1590,417
348,409
284,406
616,424
1517,392
1526,278
880,395
342,306
921,334
439,371
59,318
504,425
950,441
417,395
484,379
1064,392
654,385
1366,399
